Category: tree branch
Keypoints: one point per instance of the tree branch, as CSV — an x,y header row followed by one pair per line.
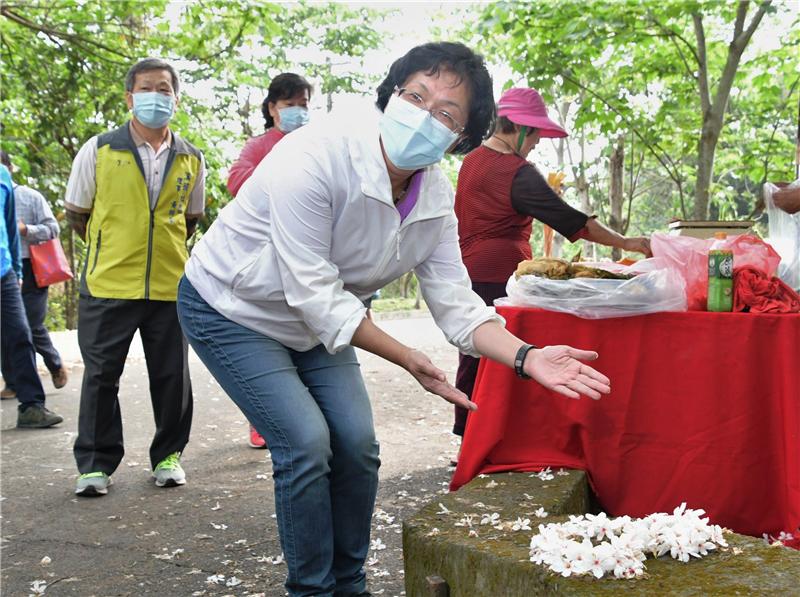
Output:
x,y
661,158
735,51
702,62
673,35
50,32
741,14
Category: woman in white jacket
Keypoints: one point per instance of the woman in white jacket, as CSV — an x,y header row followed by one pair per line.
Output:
x,y
272,299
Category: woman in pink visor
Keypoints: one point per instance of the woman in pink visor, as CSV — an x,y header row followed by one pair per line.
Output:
x,y
499,194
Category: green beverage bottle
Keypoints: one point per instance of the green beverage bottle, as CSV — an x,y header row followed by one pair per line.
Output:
x,y
720,276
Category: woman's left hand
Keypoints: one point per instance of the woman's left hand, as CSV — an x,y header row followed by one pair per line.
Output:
x,y
638,244
559,368
434,380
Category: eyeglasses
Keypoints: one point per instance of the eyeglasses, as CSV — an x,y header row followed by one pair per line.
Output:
x,y
443,116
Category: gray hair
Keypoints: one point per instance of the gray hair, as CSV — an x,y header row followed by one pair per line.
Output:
x,y
151,64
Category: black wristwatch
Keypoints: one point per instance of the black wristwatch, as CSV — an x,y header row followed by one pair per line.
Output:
x,y
519,360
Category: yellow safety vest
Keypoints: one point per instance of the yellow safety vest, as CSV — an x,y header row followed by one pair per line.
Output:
x,y
133,251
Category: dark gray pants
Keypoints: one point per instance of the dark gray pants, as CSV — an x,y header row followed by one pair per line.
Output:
x,y
105,330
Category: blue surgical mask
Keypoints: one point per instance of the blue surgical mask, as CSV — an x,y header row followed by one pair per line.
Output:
x,y
411,138
292,118
153,109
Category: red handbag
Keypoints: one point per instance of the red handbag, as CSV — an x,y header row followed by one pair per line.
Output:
x,y
49,264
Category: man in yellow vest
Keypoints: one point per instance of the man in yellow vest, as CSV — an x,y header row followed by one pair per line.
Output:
x,y
135,195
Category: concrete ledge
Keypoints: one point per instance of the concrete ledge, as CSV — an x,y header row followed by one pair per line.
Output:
x,y
496,562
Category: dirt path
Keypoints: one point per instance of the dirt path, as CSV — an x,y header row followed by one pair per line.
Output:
x,y
217,535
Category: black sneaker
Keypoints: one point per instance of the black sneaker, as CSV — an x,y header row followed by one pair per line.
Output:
x,y
37,417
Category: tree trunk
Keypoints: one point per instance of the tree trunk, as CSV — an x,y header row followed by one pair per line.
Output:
x,y
407,283
705,168
582,188
615,194
244,114
70,288
714,110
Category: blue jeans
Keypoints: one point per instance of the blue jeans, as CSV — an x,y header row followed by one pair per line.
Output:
x,y
35,301
314,411
17,345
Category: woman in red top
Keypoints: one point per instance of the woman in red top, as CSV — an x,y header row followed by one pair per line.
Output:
x,y
285,109
499,193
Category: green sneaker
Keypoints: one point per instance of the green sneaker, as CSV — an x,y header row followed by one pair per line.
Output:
x,y
93,484
168,472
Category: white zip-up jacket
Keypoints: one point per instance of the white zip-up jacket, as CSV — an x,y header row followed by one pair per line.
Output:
x,y
314,232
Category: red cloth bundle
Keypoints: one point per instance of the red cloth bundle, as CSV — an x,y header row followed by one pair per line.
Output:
x,y
756,292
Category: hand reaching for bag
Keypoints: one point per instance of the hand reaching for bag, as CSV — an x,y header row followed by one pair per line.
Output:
x,y
559,368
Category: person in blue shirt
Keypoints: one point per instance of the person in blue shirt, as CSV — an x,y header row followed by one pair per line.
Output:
x,y
15,334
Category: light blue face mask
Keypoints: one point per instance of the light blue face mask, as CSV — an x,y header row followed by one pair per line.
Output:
x,y
411,138
292,118
153,109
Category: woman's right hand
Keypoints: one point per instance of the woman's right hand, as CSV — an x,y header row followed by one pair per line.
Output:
x,y
559,368
434,380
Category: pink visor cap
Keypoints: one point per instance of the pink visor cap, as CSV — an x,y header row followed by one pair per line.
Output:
x,y
525,106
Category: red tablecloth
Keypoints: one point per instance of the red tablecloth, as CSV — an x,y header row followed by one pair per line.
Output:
x,y
704,408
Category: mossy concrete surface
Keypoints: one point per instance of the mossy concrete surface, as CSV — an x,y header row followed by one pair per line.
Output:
x,y
495,562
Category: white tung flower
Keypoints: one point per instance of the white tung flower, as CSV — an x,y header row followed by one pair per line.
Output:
x,y
521,524
544,475
599,546
540,513
465,521
491,519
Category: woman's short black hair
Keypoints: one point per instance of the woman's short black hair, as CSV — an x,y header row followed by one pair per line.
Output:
x,y
284,86
468,66
504,125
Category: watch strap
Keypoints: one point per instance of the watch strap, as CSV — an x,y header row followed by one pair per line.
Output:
x,y
519,360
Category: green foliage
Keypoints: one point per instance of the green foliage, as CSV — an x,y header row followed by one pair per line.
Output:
x,y
395,304
631,68
64,64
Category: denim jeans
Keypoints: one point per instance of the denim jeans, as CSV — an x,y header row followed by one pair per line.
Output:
x,y
35,301
313,410
17,345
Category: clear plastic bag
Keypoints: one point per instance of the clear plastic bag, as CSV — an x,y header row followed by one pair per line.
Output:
x,y
784,236
658,290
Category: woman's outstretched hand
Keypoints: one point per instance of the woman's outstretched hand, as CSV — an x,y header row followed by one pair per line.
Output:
x,y
434,380
559,368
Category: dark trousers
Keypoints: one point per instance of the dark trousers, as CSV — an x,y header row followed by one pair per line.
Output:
x,y
105,330
467,365
17,345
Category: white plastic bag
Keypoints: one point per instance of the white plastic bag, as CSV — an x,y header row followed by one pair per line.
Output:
x,y
590,298
784,236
